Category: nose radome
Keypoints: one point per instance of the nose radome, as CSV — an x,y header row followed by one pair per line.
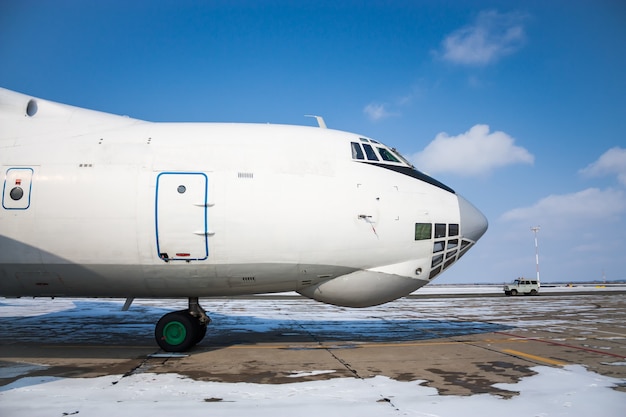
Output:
x,y
473,222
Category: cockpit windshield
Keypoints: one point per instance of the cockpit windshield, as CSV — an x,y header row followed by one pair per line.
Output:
x,y
371,150
387,155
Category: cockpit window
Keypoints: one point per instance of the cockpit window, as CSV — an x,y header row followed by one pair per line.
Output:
x,y
357,152
423,231
369,151
389,158
402,158
386,155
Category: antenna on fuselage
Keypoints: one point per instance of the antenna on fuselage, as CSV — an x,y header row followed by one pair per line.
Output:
x,y
320,120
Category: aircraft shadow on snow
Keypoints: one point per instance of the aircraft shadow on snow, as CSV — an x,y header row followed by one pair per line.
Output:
x,y
103,323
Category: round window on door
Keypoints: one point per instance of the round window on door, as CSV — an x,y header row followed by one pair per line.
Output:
x,y
16,193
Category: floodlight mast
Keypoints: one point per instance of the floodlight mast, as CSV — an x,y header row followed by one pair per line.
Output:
x,y
535,229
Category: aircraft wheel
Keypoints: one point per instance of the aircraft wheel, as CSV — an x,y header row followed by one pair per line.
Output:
x,y
177,331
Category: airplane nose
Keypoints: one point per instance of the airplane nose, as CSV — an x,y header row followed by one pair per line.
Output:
x,y
473,222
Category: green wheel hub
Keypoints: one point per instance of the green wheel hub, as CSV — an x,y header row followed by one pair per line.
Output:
x,y
174,333
178,331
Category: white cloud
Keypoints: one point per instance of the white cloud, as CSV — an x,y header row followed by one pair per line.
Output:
x,y
611,162
491,36
376,112
589,204
475,152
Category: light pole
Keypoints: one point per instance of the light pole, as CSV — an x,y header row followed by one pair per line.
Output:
x,y
535,229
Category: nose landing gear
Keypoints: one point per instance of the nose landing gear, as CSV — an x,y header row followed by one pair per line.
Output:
x,y
180,330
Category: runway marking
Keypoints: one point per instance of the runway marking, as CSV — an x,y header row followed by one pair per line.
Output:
x,y
534,357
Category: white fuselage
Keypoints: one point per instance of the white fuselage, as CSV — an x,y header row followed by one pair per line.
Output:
x,y
113,206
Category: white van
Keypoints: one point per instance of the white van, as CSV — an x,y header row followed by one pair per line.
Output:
x,y
522,286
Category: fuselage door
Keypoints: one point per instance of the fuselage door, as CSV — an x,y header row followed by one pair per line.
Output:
x,y
181,216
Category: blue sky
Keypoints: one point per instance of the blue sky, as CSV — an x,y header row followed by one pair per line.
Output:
x,y
520,106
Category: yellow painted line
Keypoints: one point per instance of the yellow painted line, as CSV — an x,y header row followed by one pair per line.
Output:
x,y
534,357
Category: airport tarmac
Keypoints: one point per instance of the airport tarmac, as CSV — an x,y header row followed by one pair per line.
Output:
x,y
458,345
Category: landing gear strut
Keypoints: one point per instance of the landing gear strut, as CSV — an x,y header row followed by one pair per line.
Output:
x,y
180,330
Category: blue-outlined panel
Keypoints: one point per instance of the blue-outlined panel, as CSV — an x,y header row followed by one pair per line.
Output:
x,y
16,191
181,216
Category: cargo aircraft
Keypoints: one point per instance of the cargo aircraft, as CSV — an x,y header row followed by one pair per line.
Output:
x,y
100,205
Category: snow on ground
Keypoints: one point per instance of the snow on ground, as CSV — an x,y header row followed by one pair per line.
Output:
x,y
568,391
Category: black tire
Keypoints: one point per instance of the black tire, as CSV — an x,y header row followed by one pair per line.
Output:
x,y
533,292
513,292
176,331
